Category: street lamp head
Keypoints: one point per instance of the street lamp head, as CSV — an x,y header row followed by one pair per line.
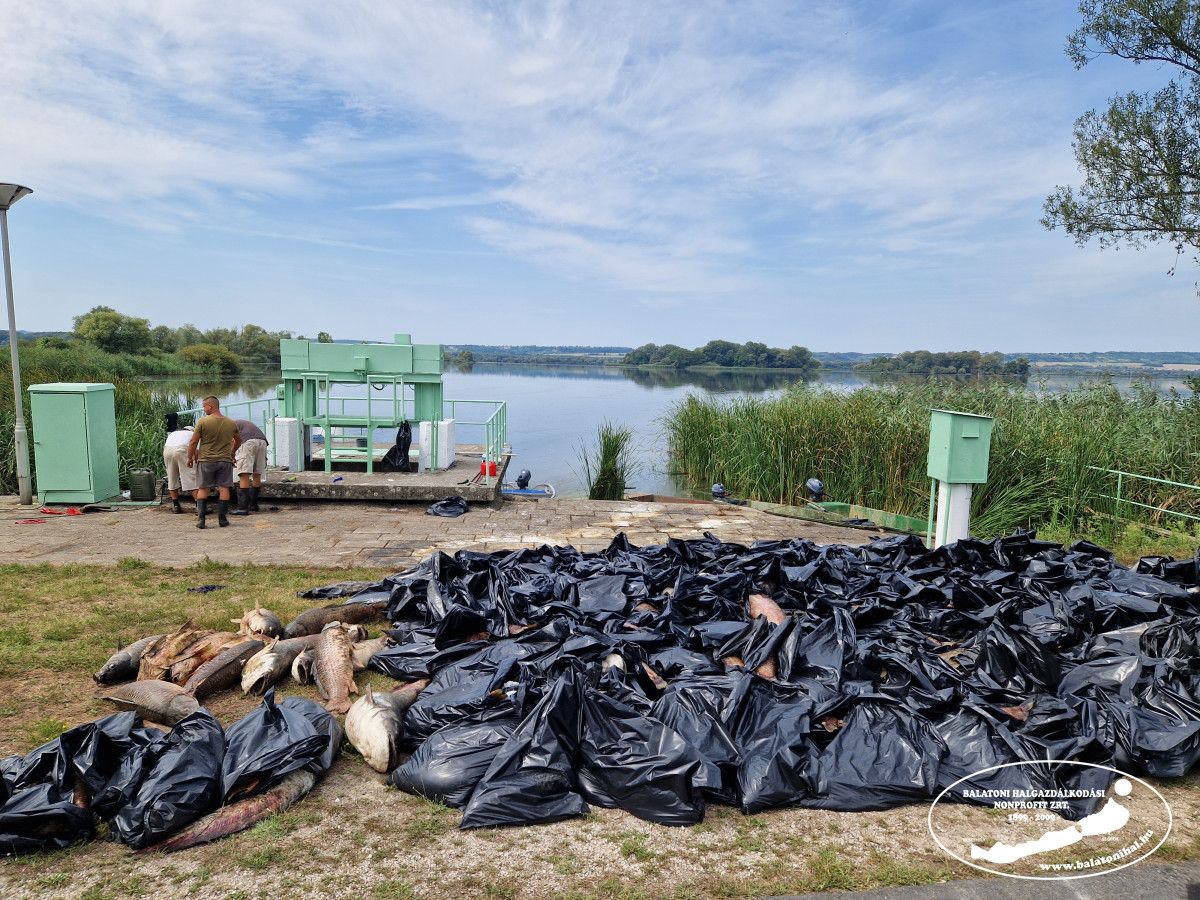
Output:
x,y
11,193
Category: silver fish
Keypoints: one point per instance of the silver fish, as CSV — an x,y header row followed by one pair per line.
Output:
x,y
123,665
375,724
223,670
259,622
158,701
273,662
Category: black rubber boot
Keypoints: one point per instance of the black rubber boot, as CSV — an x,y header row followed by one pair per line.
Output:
x,y
201,513
253,499
243,503
175,507
222,511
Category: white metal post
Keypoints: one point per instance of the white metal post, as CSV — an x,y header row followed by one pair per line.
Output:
x,y
20,437
953,513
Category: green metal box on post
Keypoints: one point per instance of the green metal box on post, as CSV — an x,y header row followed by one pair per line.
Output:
x,y
75,442
960,446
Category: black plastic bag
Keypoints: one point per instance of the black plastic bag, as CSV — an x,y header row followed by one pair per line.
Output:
x,y
270,743
447,766
450,508
182,782
396,459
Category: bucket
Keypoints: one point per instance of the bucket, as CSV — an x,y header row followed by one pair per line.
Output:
x,y
141,484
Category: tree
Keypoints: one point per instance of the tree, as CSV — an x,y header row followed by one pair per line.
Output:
x,y
111,331
212,356
1141,156
323,337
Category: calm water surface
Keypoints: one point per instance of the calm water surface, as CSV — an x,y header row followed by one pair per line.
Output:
x,y
553,411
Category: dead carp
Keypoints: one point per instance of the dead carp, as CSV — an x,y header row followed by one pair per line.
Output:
x,y
333,668
311,621
200,653
272,662
223,670
123,665
302,665
259,622
375,724
762,605
158,656
364,650
158,701
241,814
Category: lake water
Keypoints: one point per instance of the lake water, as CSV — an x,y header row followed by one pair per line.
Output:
x,y
552,411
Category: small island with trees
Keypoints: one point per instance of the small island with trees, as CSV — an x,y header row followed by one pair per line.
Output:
x,y
723,355
962,362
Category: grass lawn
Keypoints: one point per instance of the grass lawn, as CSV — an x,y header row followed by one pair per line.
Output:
x,y
353,835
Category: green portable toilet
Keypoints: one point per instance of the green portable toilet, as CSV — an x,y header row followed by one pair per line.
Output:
x,y
75,442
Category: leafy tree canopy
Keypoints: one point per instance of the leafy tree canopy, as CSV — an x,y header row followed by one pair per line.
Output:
x,y
1140,157
110,330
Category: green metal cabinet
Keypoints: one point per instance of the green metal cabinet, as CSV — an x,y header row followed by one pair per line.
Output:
x,y
959,446
74,442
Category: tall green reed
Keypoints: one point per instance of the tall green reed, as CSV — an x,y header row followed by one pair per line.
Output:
x,y
607,465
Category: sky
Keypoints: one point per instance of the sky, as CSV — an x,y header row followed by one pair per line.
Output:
x,y
842,175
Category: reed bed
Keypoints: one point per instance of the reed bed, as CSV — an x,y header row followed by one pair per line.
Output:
x,y
869,447
608,465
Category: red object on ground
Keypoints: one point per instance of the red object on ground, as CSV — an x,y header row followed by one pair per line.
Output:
x,y
492,469
31,521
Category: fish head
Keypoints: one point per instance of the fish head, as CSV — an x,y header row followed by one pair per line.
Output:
x,y
357,632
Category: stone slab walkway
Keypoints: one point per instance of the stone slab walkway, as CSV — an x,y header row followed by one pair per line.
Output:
x,y
379,535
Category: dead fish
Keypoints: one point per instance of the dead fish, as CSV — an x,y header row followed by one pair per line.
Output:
x,y
375,724
158,701
123,665
241,814
654,677
733,662
356,633
201,652
272,662
333,668
646,607
158,656
259,621
311,621
514,630
364,650
306,659
613,659
762,605
223,670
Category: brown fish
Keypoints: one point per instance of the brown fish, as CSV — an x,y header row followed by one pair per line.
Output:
x,y
223,670
258,622
123,665
158,701
762,605
201,652
311,621
158,656
273,662
241,814
333,669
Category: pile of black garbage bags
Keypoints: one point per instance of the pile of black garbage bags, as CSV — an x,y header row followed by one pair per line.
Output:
x,y
147,784
626,678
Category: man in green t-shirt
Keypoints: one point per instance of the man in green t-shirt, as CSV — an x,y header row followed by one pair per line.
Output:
x,y
211,451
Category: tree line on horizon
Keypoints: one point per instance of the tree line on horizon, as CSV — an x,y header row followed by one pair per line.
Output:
x,y
963,362
226,350
750,355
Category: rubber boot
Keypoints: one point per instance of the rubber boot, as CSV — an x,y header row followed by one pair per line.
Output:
x,y
201,513
175,507
243,503
253,499
222,513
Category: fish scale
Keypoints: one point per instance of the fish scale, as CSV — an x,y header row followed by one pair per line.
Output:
x,y
334,668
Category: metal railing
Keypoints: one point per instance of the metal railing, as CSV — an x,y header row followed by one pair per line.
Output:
x,y
493,419
1121,496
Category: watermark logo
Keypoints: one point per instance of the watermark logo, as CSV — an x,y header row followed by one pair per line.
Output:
x,y
1050,821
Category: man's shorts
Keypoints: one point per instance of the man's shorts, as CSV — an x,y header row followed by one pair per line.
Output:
x,y
179,476
251,457
215,473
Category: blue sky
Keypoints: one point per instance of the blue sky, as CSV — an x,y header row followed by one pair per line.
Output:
x,y
844,175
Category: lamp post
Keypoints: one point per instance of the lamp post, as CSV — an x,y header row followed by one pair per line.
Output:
x,y
10,194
